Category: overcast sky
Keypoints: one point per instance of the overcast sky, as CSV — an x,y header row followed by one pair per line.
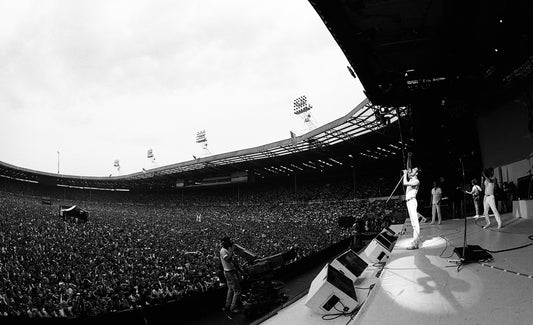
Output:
x,y
101,80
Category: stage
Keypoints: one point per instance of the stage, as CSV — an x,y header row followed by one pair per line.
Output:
x,y
426,286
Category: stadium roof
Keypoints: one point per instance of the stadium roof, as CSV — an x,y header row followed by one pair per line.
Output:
x,y
332,145
401,49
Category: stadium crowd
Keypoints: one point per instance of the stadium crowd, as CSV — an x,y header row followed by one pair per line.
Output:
x,y
128,255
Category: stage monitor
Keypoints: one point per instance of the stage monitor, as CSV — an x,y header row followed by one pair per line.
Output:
x,y
350,264
331,292
380,247
386,240
341,282
388,231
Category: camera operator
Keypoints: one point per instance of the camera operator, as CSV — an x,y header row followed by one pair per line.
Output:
x,y
231,273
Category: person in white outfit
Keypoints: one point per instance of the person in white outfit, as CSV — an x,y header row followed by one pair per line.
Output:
x,y
436,196
412,184
488,200
231,270
475,192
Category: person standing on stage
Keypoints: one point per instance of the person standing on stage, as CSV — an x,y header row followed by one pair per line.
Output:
x,y
475,192
436,196
412,184
489,200
231,268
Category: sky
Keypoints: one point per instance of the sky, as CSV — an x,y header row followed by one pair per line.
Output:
x,y
101,80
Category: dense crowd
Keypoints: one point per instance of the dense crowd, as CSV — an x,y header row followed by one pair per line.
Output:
x,y
277,190
128,255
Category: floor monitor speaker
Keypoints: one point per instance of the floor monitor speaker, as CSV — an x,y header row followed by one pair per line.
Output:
x,y
331,292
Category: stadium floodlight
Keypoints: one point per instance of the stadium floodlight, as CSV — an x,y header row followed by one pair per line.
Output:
x,y
303,108
201,139
200,136
150,155
301,105
116,164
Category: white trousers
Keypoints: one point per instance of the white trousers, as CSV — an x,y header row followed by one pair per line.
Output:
x,y
435,209
412,205
476,206
489,201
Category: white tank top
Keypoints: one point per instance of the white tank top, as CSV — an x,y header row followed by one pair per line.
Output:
x,y
410,192
489,188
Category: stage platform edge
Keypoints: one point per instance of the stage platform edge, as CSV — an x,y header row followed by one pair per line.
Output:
x,y
426,286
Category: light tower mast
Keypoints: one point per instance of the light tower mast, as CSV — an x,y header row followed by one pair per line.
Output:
x,y
303,109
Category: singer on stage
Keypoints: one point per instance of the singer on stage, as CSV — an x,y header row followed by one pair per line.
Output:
x,y
412,185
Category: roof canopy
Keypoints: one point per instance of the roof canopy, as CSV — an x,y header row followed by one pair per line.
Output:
x,y
401,49
357,136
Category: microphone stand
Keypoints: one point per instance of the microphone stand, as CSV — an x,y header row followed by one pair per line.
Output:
x,y
461,251
475,253
463,211
401,178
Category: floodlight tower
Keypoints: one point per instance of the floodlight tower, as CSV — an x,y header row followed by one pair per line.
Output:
x,y
150,155
116,164
303,109
201,139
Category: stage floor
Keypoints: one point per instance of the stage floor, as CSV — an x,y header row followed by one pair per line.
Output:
x,y
425,286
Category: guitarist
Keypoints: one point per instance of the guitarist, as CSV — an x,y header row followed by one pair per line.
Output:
x,y
475,192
